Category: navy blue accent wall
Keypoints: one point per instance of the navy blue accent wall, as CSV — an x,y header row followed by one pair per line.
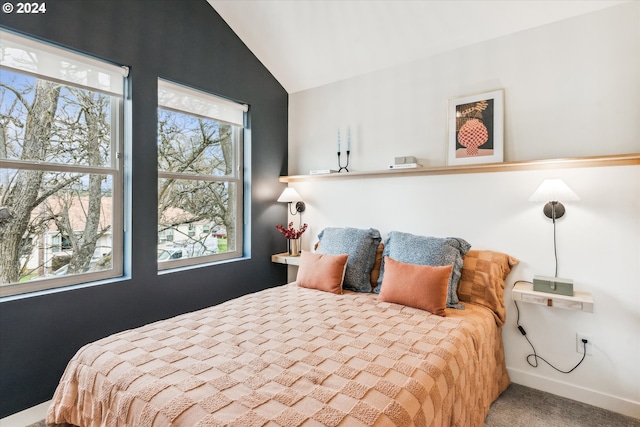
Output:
x,y
185,41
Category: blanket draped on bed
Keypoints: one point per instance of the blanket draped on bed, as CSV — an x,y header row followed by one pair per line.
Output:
x,y
290,356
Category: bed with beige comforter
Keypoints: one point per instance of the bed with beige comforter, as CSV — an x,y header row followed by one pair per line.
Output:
x,y
291,356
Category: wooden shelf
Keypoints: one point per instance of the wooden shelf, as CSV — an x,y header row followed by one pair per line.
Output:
x,y
580,301
285,258
577,162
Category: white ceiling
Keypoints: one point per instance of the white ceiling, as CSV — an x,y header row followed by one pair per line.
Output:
x,y
310,43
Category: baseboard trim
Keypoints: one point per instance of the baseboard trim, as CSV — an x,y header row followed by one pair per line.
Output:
x,y
581,394
26,417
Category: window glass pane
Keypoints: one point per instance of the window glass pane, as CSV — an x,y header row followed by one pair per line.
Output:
x,y
61,184
196,218
199,177
69,232
79,132
194,145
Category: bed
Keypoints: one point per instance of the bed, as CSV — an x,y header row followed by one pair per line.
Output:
x,y
293,355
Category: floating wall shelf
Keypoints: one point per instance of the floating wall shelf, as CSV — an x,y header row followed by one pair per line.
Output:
x,y
285,258
580,301
577,162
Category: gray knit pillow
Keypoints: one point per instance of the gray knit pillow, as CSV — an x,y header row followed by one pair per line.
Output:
x,y
361,246
423,250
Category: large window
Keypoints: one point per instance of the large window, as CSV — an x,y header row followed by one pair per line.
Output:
x,y
200,182
61,184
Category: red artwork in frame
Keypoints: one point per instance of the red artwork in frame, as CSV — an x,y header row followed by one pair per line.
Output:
x,y
476,125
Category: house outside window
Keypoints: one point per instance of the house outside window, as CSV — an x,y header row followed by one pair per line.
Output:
x,y
200,176
61,179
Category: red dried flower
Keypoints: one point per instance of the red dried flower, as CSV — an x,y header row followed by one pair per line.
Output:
x,y
291,233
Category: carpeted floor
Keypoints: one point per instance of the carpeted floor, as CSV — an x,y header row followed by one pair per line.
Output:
x,y
521,406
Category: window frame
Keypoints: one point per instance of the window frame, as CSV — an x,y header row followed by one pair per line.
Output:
x,y
236,178
115,170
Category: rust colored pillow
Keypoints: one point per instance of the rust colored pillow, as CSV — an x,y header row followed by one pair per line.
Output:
x,y
322,271
482,280
418,286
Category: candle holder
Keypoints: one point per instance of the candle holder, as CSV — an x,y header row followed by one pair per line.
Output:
x,y
345,167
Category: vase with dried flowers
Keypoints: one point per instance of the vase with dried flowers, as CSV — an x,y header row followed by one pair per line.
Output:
x,y
293,237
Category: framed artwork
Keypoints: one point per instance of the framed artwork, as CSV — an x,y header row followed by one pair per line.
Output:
x,y
476,128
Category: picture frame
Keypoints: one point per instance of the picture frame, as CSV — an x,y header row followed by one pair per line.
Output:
x,y
476,129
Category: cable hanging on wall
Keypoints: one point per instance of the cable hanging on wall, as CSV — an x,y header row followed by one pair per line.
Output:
x,y
532,358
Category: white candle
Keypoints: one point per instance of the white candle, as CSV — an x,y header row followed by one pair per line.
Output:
x,y
348,139
338,140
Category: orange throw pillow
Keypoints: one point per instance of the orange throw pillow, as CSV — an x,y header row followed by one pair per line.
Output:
x,y
482,280
322,271
418,286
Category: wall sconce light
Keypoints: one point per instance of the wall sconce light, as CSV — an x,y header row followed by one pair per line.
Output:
x,y
553,190
290,195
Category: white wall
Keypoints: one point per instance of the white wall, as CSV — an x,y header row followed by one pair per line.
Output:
x,y
571,89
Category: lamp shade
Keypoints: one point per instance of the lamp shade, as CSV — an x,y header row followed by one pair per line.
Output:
x,y
553,190
289,195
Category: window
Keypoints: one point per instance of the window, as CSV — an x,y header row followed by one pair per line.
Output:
x,y
60,243
200,181
61,184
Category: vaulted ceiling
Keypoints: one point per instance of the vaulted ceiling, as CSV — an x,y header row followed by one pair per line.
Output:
x,y
310,43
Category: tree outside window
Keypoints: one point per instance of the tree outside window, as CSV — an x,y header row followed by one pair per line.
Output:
x,y
200,180
59,176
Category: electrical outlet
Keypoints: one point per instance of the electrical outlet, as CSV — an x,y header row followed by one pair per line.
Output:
x,y
580,345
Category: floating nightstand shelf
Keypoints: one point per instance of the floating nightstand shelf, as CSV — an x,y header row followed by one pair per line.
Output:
x,y
580,301
285,258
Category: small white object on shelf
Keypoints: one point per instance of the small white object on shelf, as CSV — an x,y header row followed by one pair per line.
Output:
x,y
322,171
285,258
405,166
404,159
580,301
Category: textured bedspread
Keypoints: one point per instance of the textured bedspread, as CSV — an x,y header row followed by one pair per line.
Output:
x,y
290,356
